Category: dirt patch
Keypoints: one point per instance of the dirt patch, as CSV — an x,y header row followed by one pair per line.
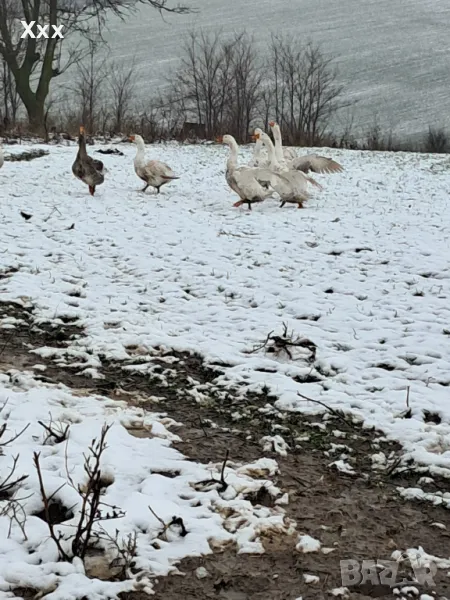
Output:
x,y
27,155
57,513
335,493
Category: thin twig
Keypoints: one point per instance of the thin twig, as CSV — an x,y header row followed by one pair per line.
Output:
x,y
159,518
221,481
328,408
14,438
7,485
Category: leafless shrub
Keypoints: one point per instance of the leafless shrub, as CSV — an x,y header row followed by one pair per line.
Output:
x,y
92,510
437,141
15,512
285,343
125,550
10,484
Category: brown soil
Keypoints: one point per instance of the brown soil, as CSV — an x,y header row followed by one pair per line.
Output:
x,y
360,517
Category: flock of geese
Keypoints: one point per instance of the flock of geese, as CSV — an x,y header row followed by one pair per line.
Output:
x,y
277,170
272,169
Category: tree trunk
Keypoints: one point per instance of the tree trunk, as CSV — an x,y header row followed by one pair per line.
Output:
x,y
36,114
34,107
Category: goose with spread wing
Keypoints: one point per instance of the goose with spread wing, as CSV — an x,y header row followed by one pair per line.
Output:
x,y
291,185
307,163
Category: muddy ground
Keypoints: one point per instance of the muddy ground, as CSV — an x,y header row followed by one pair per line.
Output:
x,y
359,516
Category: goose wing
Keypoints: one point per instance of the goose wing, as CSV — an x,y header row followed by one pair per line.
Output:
x,y
316,164
87,172
289,153
292,186
156,168
250,183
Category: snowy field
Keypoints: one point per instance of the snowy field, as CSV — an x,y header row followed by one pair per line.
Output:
x,y
363,272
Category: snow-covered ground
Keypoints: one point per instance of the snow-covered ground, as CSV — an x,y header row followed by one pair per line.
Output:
x,y
369,259
363,272
146,479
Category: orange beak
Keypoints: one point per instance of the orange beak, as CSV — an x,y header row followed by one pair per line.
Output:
x,y
272,124
255,137
219,139
131,138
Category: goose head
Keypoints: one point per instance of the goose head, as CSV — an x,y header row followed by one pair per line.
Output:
x,y
257,134
137,139
226,139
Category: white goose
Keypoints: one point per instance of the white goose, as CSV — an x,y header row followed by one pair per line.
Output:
x,y
259,159
272,161
292,186
153,172
283,154
252,185
310,162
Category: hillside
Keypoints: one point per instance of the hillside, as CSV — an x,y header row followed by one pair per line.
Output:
x,y
393,58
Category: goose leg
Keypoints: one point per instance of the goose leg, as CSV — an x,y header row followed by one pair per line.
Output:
x,y
92,190
157,188
146,186
249,204
283,203
300,205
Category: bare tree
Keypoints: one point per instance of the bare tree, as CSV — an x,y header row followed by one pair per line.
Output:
x,y
245,89
202,81
34,61
266,103
10,100
88,86
218,84
437,141
122,83
223,84
305,88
